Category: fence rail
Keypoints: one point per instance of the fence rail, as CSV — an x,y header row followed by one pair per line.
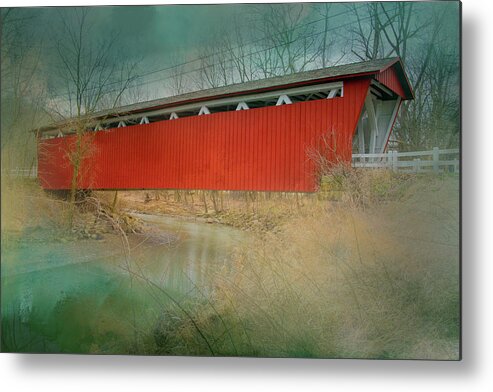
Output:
x,y
420,161
435,160
18,172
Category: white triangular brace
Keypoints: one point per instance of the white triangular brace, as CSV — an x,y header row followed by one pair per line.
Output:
x,y
98,127
204,110
332,93
242,106
121,124
173,116
283,99
144,120
59,134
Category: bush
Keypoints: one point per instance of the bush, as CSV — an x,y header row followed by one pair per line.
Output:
x,y
347,282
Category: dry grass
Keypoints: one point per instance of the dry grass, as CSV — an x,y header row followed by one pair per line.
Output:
x,y
25,205
367,268
340,280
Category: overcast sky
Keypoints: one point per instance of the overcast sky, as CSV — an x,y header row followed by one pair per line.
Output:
x,y
153,33
157,36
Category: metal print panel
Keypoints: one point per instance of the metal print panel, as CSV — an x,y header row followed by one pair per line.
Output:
x,y
261,180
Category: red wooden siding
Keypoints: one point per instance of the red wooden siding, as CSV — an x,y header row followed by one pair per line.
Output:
x,y
390,79
261,149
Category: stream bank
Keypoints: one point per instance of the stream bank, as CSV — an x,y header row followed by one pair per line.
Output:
x,y
63,293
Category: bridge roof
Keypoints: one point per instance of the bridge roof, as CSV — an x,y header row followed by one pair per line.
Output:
x,y
340,72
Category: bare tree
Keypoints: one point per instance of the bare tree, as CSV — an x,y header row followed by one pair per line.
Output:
x,y
400,29
432,119
93,77
328,40
22,90
366,37
241,58
215,67
289,45
385,29
177,81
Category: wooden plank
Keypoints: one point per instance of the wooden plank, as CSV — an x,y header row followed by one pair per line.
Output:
x,y
372,118
408,154
404,164
266,148
450,151
429,152
380,155
390,124
370,164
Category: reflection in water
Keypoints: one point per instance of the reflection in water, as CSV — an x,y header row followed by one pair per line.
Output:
x,y
75,297
202,250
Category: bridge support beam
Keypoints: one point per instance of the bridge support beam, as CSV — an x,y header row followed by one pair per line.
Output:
x,y
242,106
375,124
283,100
361,136
204,110
372,118
392,108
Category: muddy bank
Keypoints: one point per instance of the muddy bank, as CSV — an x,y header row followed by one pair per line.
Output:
x,y
90,227
259,216
78,295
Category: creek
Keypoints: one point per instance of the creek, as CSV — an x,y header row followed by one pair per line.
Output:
x,y
77,296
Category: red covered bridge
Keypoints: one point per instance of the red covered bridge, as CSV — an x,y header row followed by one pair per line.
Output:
x,y
254,136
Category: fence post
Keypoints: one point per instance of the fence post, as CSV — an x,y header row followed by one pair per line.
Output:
x,y
456,165
417,165
436,156
395,160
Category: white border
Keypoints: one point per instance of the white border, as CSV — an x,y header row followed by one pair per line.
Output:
x,y
88,373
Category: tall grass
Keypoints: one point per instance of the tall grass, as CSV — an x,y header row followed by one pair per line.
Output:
x,y
374,275
367,268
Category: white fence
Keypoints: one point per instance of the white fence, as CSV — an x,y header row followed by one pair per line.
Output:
x,y
435,160
419,161
21,172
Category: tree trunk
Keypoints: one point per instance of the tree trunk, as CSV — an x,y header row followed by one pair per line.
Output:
x,y
115,199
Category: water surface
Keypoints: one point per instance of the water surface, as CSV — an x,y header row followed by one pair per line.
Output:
x,y
78,297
